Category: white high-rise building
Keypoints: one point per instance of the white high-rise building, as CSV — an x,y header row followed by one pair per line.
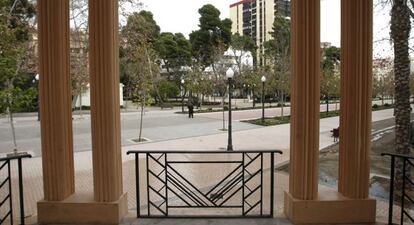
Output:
x,y
254,18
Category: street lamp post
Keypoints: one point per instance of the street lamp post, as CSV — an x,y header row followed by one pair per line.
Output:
x,y
263,96
244,93
230,75
182,95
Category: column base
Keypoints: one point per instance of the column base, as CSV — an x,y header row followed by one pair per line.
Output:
x,y
330,208
82,209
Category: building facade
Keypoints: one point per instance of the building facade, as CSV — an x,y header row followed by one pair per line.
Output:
x,y
254,18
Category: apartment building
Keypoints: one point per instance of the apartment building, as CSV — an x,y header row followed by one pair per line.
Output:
x,y
255,18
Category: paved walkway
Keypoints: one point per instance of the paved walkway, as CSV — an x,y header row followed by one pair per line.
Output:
x,y
275,137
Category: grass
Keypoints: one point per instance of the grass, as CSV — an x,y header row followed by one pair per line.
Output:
x,y
270,121
278,120
226,108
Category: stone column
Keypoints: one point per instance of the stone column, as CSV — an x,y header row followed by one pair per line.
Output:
x,y
108,204
356,98
304,204
105,108
55,99
304,134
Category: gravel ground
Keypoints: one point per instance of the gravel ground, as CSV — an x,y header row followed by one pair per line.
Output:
x,y
382,141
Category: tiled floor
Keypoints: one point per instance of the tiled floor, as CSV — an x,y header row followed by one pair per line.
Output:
x,y
34,189
276,221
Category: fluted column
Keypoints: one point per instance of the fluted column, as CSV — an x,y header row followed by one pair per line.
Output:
x,y
55,99
356,98
105,112
304,138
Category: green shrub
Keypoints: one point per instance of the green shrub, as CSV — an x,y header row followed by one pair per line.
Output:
x,y
23,100
168,89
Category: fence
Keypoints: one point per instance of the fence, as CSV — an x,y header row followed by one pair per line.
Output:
x,y
6,164
204,184
405,198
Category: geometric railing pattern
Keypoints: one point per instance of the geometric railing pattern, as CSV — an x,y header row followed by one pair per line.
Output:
x,y
181,183
405,183
6,204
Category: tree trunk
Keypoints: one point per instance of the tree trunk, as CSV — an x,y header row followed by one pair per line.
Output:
x,y
80,104
282,104
182,99
10,112
327,105
254,99
158,97
400,32
141,119
12,129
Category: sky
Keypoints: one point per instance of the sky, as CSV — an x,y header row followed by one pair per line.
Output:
x,y
182,16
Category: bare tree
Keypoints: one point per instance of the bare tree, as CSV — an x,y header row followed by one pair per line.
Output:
x,y
79,42
220,65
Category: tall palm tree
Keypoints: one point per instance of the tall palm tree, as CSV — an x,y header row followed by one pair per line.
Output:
x,y
400,33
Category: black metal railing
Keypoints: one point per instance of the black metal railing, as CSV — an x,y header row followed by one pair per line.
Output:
x,y
222,184
6,163
406,182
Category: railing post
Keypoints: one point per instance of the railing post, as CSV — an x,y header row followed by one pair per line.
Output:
x,y
391,203
166,183
21,197
243,158
137,184
148,194
10,192
261,183
272,167
403,192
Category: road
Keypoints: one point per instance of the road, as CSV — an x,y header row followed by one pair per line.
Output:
x,y
157,126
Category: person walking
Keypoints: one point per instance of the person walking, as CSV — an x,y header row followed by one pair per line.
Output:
x,y
190,106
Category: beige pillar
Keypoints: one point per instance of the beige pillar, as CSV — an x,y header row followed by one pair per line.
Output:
x,y
304,136
108,204
105,108
303,203
356,98
304,127
55,99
